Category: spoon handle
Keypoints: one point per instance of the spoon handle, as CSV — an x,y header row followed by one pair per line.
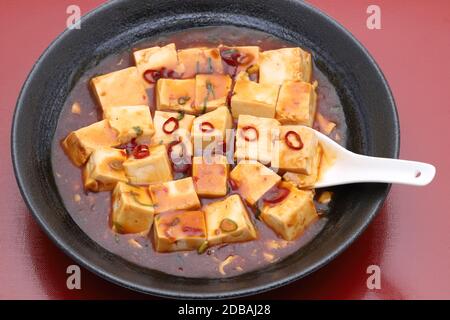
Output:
x,y
359,168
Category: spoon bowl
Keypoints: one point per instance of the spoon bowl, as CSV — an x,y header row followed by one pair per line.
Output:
x,y
340,166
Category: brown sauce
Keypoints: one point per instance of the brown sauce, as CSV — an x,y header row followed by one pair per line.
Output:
x,y
91,210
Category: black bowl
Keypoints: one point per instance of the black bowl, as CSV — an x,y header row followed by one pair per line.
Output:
x,y
368,104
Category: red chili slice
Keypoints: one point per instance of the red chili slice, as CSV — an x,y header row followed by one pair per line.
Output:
x,y
230,56
298,145
276,195
246,133
141,151
151,76
206,127
175,122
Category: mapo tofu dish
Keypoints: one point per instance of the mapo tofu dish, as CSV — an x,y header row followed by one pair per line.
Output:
x,y
189,153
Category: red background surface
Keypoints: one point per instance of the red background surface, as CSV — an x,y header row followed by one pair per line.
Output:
x,y
409,239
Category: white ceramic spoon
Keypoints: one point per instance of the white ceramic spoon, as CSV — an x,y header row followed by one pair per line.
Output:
x,y
344,167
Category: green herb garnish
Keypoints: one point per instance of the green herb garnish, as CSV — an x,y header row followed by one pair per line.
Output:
x,y
209,92
229,51
203,247
138,130
182,100
210,88
118,227
228,225
210,66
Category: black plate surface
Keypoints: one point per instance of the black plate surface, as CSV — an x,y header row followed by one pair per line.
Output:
x,y
368,103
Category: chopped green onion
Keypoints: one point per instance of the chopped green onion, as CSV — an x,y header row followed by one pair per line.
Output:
x,y
228,225
203,247
138,131
210,66
182,100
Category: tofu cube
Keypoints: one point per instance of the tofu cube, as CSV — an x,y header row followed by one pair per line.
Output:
x,y
176,95
174,195
156,58
254,138
296,103
79,144
164,132
210,129
253,180
211,91
249,55
104,169
295,149
228,221
279,65
256,99
290,217
119,88
210,176
178,231
164,123
200,61
132,122
155,168
304,181
132,209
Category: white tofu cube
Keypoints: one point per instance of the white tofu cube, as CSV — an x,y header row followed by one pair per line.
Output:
x,y
104,169
296,103
156,58
79,144
155,168
228,221
211,91
119,88
210,176
132,209
292,215
210,129
256,99
174,195
254,138
253,180
200,61
279,65
176,95
171,127
295,149
178,231
132,122
304,181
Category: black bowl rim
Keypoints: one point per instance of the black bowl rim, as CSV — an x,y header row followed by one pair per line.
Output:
x,y
60,243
